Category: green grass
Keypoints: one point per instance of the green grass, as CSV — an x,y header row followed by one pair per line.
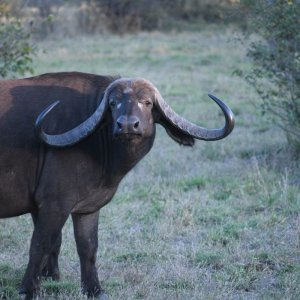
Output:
x,y
216,221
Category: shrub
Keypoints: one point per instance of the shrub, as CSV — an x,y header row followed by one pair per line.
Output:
x,y
276,71
16,50
123,16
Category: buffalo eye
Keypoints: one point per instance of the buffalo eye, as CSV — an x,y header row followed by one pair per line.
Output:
x,y
148,103
112,103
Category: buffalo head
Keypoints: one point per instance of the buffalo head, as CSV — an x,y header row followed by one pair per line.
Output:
x,y
135,105
131,106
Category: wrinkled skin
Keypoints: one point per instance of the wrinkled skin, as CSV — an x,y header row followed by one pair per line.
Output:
x,y
51,184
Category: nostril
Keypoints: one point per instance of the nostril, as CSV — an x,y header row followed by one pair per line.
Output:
x,y
126,124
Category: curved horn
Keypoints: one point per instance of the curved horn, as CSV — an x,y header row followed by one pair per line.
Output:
x,y
193,129
74,135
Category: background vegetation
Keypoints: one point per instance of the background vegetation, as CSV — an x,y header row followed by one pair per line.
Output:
x,y
16,50
218,221
66,17
276,57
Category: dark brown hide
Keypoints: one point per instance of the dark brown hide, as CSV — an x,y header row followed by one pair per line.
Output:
x,y
21,155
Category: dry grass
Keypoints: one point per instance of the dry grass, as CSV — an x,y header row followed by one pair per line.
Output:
x,y
218,221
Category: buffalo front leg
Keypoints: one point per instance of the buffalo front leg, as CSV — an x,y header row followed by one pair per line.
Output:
x,y
51,269
86,235
46,233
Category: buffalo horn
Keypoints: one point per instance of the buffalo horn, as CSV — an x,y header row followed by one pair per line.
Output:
x,y
74,135
192,129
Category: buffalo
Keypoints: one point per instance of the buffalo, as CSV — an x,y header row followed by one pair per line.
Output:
x,y
68,157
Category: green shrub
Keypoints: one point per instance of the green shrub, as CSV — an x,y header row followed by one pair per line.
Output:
x,y
276,71
16,50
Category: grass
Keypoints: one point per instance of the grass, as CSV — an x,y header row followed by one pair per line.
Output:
x,y
216,221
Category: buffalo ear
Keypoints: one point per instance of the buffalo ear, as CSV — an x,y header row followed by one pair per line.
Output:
x,y
176,134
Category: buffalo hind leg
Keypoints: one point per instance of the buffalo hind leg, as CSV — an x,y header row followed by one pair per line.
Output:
x,y
46,232
86,236
51,269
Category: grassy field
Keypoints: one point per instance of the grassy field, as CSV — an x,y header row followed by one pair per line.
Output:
x,y
217,221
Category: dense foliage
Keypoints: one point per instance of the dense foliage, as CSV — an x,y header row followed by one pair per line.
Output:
x,y
276,71
68,17
16,50
127,15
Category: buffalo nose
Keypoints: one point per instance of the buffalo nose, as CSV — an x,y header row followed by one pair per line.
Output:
x,y
128,124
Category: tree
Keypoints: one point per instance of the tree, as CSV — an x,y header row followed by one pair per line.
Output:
x,y
276,70
16,50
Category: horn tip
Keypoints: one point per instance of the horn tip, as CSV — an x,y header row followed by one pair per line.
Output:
x,y
40,119
230,120
214,97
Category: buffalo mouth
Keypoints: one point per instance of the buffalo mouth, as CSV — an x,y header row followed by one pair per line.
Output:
x,y
127,136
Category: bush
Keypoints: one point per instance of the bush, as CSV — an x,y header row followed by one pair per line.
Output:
x,y
123,16
16,50
276,58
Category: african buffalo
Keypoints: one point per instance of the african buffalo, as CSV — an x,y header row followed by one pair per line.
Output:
x,y
68,157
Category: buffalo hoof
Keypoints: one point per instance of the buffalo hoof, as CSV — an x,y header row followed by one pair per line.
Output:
x,y
102,296
51,275
25,296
